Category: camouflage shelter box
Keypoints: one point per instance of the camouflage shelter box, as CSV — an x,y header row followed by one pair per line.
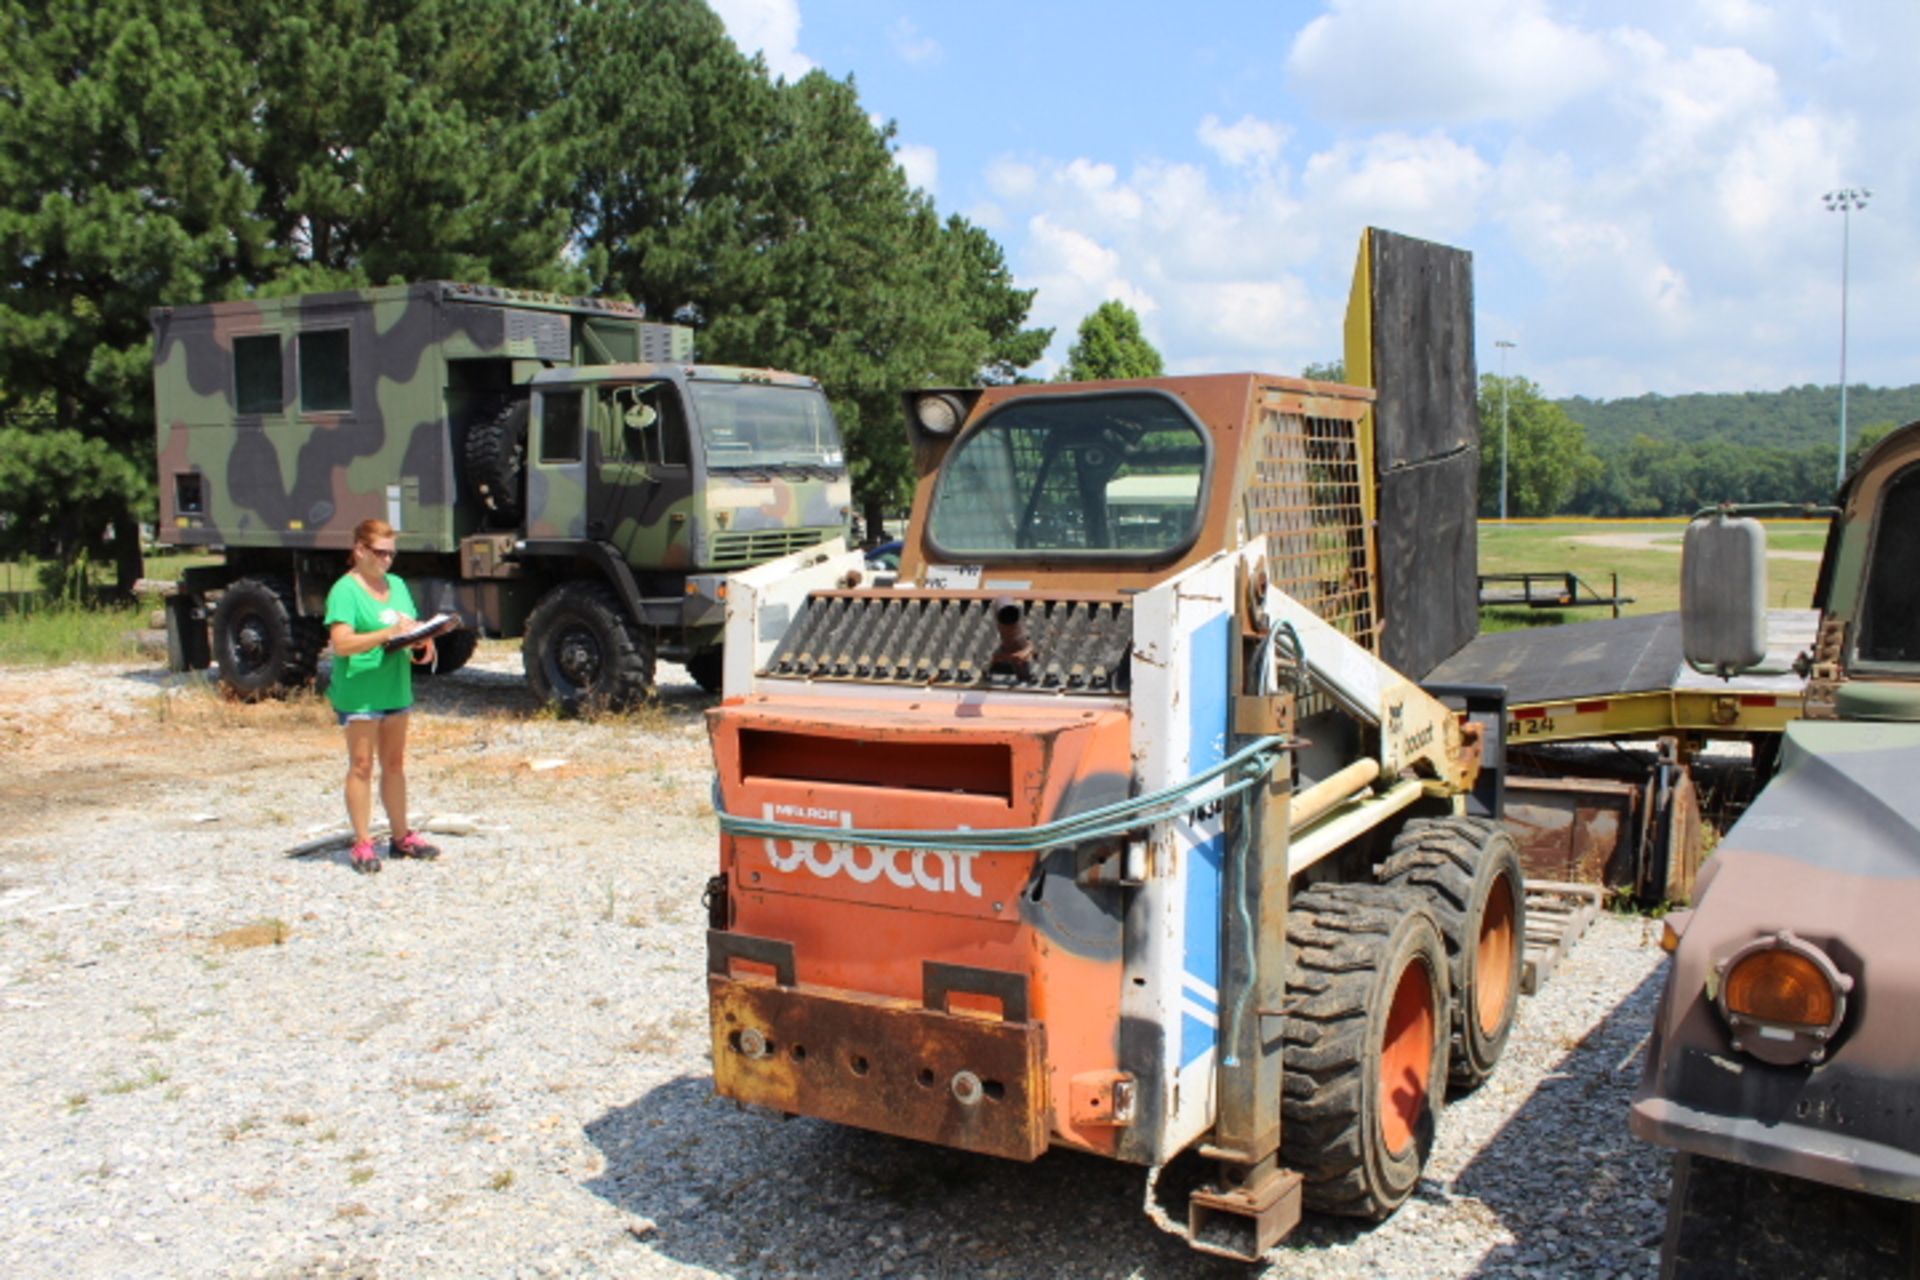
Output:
x,y
284,422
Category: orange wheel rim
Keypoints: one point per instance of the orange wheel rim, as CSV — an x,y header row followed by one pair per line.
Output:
x,y
1406,1057
1494,963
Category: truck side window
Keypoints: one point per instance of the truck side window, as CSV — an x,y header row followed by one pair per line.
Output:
x,y
326,385
256,374
1890,618
654,425
560,426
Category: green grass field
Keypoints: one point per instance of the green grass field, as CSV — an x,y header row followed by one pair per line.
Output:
x,y
1646,555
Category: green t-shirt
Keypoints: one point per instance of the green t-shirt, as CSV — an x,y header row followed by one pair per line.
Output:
x,y
376,680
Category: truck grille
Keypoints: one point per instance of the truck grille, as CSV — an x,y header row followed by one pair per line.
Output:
x,y
738,550
1078,646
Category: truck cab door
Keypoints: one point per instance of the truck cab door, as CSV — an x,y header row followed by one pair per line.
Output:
x,y
557,465
642,498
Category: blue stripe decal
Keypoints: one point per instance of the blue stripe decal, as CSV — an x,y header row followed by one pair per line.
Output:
x,y
1202,958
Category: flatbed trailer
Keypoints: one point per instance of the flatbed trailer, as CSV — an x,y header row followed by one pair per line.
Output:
x,y
1631,822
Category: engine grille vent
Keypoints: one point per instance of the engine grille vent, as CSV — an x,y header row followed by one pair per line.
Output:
x,y
1078,647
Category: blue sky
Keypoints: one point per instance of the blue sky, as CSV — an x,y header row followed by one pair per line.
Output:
x,y
1640,182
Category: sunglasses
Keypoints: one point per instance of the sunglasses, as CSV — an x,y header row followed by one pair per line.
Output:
x,y
385,553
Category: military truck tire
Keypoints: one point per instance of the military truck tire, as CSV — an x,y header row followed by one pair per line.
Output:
x,y
1727,1220
261,646
451,652
1469,870
581,652
707,668
1365,1045
496,463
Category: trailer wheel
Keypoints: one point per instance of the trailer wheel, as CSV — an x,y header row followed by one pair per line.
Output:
x,y
1469,870
707,669
451,652
1365,1053
261,645
496,462
1731,1220
582,653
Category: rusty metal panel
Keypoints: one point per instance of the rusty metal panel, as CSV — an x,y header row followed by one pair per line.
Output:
x,y
891,1067
1578,829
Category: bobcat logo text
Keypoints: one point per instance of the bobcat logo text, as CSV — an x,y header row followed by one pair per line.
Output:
x,y
932,870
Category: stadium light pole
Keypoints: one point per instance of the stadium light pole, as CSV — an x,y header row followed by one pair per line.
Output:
x,y
1505,347
1844,202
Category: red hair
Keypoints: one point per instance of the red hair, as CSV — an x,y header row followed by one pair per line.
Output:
x,y
365,532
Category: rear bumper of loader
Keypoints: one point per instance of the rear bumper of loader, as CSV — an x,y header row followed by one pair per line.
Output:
x,y
964,1081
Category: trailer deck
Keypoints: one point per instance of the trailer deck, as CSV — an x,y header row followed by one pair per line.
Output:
x,y
1626,677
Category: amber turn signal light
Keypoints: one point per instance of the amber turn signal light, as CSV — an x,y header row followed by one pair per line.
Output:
x,y
1783,999
1780,987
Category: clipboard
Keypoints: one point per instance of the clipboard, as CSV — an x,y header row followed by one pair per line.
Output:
x,y
439,624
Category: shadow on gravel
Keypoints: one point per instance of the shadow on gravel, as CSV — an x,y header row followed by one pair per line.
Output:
x,y
749,1194
1580,1194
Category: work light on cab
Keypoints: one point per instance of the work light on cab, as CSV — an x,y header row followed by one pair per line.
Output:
x,y
1783,998
938,414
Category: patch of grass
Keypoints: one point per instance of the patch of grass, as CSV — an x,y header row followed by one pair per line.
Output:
x,y
53,635
149,1076
75,1101
1651,575
501,1180
360,1176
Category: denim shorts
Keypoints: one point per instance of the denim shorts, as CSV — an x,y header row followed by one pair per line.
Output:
x,y
346,716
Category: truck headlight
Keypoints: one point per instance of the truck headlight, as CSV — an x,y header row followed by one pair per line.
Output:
x,y
1783,998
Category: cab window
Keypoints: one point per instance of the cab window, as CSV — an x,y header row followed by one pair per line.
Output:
x,y
649,424
1111,474
1890,613
560,427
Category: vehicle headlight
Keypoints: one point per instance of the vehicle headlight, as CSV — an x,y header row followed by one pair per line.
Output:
x,y
1783,998
938,414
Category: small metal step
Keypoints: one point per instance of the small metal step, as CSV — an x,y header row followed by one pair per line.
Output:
x,y
1558,914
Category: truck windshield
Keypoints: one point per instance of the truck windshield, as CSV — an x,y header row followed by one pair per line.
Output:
x,y
1109,473
1890,623
749,425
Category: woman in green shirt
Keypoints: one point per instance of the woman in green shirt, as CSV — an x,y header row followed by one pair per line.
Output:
x,y
372,690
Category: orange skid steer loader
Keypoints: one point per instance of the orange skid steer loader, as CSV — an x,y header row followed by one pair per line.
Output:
x,y
1106,825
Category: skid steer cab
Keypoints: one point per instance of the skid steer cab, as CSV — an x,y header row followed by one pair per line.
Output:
x,y
1105,826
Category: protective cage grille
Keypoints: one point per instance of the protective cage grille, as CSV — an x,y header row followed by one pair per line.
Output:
x,y
1078,646
1307,498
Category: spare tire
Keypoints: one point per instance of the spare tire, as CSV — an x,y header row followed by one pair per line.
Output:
x,y
496,463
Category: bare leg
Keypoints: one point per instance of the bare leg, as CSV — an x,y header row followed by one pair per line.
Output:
x,y
393,773
362,736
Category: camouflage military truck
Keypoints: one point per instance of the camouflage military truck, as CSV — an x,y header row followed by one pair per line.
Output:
x,y
556,468
1784,1065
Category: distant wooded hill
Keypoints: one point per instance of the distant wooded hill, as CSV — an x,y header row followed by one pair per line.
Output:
x,y
1797,418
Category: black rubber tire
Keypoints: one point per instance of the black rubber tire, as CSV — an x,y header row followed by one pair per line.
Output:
x,y
583,655
1462,865
496,463
451,652
1728,1220
707,668
1349,946
262,647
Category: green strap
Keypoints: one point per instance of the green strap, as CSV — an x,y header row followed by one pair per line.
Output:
x,y
1245,768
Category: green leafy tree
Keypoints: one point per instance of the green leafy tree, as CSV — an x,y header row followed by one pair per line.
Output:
x,y
1326,371
775,219
1110,345
160,154
1550,460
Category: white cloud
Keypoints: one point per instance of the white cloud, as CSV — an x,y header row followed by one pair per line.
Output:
x,y
1012,180
1413,60
910,46
770,28
922,165
1247,141
1428,186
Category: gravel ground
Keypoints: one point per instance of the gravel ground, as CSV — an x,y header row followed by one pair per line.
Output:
x,y
220,1059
